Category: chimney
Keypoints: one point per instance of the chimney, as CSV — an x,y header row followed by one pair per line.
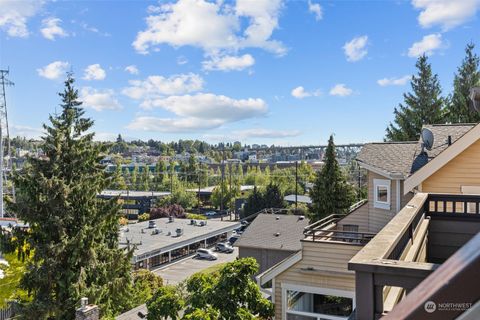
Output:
x,y
87,311
449,140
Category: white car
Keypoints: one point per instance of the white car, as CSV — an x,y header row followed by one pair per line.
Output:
x,y
210,213
206,254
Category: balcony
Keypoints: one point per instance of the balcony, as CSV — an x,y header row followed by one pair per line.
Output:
x,y
327,230
424,234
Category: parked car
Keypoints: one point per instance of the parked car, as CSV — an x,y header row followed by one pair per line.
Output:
x,y
224,247
206,254
210,213
233,238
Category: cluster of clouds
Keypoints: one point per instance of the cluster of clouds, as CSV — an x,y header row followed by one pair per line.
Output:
x,y
223,31
194,110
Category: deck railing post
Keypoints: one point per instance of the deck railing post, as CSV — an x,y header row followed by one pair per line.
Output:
x,y
365,295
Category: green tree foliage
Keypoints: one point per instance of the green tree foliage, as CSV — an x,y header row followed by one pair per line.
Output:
x,y
422,106
73,235
273,197
145,284
166,303
145,178
331,193
467,76
230,293
134,178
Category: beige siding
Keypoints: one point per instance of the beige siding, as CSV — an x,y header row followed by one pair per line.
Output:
x,y
329,262
463,170
358,217
377,217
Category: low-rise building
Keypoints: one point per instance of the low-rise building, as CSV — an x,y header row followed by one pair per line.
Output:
x,y
271,238
164,240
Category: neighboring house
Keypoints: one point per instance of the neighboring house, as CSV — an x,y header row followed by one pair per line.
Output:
x,y
316,282
271,238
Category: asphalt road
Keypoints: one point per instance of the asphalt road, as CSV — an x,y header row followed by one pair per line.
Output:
x,y
179,271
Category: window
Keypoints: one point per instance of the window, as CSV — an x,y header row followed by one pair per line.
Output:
x,y
310,303
381,193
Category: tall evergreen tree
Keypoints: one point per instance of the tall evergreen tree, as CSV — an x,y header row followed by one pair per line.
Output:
x,y
467,76
331,193
72,235
424,105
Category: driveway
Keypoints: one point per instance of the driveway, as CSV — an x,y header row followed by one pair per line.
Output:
x,y
179,271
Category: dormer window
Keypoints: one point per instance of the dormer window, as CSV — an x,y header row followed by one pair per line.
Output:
x,y
381,193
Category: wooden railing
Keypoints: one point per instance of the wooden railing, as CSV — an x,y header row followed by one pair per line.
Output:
x,y
322,230
397,257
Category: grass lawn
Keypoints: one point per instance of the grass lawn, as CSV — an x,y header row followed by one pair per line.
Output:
x,y
213,268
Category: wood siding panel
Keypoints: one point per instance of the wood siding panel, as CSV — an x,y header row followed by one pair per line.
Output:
x,y
378,218
358,217
323,265
464,170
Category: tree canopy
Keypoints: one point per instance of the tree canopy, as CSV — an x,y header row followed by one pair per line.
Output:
x,y
331,193
72,238
424,105
230,293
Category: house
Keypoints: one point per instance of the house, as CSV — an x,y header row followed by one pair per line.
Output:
x,y
271,238
325,279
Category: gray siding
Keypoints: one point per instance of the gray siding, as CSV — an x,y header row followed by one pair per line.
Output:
x,y
266,258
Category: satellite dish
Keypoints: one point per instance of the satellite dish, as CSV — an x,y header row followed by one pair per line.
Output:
x,y
427,138
474,101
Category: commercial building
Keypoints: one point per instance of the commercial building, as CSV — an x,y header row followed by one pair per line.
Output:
x,y
165,240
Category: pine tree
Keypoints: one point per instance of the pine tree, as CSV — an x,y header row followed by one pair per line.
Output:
x,y
331,193
273,197
73,235
467,76
422,106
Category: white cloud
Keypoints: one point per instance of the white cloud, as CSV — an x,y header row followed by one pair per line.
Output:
x,y
15,14
51,28
99,100
316,9
300,93
168,125
157,86
212,26
265,133
54,70
340,90
229,63
427,45
209,106
132,69
181,60
355,49
445,13
394,81
94,72
26,131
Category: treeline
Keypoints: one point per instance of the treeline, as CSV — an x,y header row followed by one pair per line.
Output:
x,y
426,104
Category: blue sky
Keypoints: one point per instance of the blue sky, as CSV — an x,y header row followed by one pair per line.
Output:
x,y
270,71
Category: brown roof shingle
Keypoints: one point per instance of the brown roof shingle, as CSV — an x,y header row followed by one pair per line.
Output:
x,y
262,232
404,158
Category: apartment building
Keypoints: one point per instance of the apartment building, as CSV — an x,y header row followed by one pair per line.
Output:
x,y
326,279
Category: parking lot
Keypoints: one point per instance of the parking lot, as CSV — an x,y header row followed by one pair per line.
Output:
x,y
179,271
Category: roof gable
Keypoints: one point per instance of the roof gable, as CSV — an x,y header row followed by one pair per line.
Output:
x,y
442,157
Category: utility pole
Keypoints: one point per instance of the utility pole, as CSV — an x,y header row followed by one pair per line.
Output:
x,y
296,185
223,179
4,135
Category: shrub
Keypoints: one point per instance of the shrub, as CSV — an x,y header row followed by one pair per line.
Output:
x,y
196,216
123,221
144,217
173,210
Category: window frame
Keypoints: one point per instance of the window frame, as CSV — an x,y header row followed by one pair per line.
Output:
x,y
386,205
314,290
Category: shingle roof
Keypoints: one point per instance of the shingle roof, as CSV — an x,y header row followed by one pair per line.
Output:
x,y
262,233
390,157
405,158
